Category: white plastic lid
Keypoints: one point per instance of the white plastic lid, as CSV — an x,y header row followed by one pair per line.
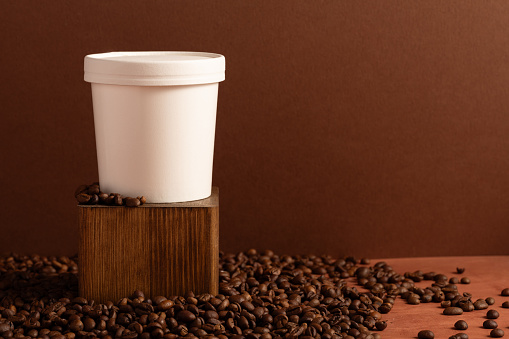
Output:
x,y
154,68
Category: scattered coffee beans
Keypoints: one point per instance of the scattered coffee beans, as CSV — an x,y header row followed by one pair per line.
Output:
x,y
505,292
492,314
426,334
461,325
497,333
92,195
489,324
261,295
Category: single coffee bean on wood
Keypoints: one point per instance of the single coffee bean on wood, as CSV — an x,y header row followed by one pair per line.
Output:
x,y
465,280
490,300
460,270
497,333
453,311
454,280
461,325
480,304
505,304
132,202
490,323
461,335
505,292
492,314
426,334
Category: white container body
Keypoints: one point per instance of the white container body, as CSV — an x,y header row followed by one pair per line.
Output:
x,y
156,141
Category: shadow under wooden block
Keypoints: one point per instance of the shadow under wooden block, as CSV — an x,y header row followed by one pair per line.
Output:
x,y
161,249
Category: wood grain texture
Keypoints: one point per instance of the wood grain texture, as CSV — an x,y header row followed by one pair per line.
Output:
x,y
161,249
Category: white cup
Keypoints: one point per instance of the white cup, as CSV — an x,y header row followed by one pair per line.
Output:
x,y
154,117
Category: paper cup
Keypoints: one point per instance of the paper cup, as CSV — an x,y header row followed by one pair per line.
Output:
x,y
154,117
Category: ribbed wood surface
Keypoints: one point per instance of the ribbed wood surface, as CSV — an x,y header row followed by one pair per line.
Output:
x,y
160,249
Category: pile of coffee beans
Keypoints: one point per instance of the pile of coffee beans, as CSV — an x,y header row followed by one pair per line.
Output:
x,y
92,195
261,295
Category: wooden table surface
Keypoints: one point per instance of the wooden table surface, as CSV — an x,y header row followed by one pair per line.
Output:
x,y
489,275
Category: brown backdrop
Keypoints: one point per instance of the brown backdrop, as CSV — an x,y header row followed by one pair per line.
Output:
x,y
368,128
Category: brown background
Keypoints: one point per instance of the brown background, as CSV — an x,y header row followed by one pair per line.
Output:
x,y
375,129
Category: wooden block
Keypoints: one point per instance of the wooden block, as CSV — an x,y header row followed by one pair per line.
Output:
x,y
161,249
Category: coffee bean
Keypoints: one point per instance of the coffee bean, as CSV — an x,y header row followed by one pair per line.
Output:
x,y
165,305
426,334
117,199
185,316
497,333
465,280
414,300
454,280
365,261
132,202
445,304
88,324
453,311
505,292
83,198
489,324
76,326
492,314
490,301
480,304
461,325
94,199
381,325
460,270
505,304
461,335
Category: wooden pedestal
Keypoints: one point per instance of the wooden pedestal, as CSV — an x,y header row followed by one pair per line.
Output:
x,y
161,249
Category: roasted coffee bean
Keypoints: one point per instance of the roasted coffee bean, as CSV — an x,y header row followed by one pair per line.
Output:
x,y
83,198
186,316
381,325
414,300
453,311
88,324
480,304
76,325
460,270
454,280
426,334
490,323
465,280
132,202
505,304
505,292
461,336
497,333
490,301
445,304
461,325
492,314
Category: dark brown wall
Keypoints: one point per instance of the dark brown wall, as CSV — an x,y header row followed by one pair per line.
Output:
x,y
344,127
